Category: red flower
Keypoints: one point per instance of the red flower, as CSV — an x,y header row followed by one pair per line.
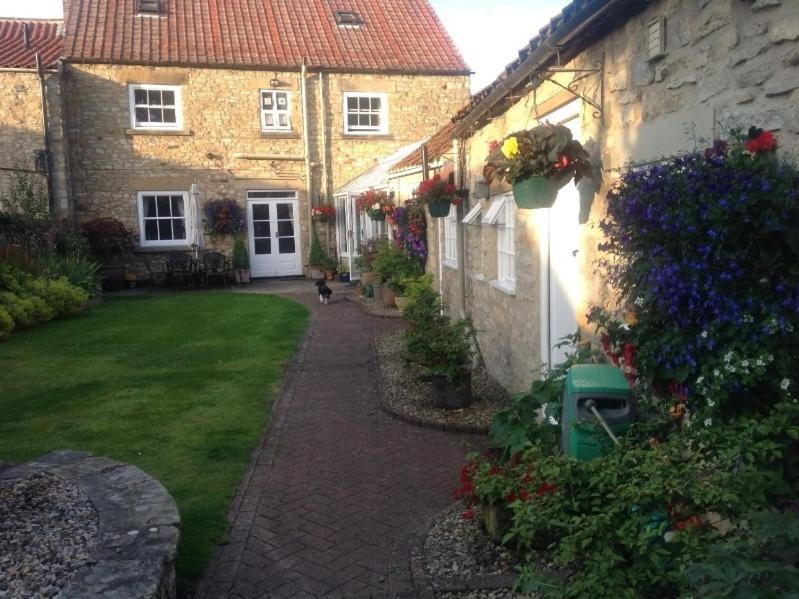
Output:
x,y
510,497
629,354
468,514
493,146
545,488
524,495
562,163
764,142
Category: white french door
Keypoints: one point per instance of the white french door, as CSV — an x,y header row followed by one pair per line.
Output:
x,y
562,293
273,224
348,232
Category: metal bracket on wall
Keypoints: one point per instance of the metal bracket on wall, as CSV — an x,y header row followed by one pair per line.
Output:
x,y
596,97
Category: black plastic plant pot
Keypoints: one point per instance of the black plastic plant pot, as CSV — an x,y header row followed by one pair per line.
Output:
x,y
452,397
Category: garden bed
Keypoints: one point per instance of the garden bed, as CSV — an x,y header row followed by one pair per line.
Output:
x,y
405,396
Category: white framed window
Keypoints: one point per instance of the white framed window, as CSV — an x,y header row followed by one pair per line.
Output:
x,y
155,107
275,110
506,245
162,218
365,114
450,238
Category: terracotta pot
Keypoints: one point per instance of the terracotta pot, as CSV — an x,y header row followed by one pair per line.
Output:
x,y
330,275
315,273
439,209
401,302
377,292
388,296
536,192
452,397
369,278
242,276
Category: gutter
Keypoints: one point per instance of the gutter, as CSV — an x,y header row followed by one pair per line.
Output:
x,y
48,156
546,51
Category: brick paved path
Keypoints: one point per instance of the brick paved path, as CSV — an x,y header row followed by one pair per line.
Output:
x,y
338,492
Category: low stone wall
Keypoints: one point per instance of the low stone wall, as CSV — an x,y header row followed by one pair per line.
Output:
x,y
138,526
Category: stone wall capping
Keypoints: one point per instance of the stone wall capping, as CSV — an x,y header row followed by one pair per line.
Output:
x,y
138,532
160,132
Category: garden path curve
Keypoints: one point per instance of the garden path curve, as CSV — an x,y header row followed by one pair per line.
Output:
x,y
337,493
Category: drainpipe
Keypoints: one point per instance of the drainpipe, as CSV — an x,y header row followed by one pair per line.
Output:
x,y
323,154
306,140
425,177
461,239
46,129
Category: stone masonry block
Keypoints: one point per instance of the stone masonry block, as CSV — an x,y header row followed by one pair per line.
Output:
x,y
785,29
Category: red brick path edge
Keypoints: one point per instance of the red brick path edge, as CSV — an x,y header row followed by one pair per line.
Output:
x,y
338,495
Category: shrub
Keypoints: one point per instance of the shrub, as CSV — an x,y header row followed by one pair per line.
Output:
x,y
63,298
6,324
78,269
241,257
26,311
391,263
108,238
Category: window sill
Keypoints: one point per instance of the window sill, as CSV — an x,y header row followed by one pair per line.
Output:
x,y
165,132
279,135
451,264
367,136
161,249
505,287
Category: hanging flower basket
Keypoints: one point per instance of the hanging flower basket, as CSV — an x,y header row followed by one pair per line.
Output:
x,y
439,194
439,209
375,204
535,192
324,213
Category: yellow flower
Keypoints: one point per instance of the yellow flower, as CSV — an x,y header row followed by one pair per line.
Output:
x,y
631,319
511,147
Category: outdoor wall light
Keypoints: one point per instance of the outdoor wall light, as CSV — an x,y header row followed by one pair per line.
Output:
x,y
275,82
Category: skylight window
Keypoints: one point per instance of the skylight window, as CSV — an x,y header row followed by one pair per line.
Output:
x,y
149,7
348,18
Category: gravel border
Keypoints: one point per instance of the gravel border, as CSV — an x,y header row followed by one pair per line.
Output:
x,y
373,307
406,397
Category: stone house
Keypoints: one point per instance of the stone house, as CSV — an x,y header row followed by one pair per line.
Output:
x,y
635,81
31,124
170,103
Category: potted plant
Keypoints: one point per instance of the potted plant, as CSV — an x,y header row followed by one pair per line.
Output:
x,y
439,195
223,217
317,258
324,213
241,260
111,242
447,362
376,204
392,265
330,267
537,163
343,274
364,262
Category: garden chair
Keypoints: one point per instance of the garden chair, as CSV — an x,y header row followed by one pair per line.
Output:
x,y
216,266
180,270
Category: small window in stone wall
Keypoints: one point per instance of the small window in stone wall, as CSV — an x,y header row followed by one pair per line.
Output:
x,y
162,218
656,38
155,107
365,114
275,110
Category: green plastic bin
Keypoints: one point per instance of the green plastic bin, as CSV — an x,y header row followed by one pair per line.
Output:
x,y
582,435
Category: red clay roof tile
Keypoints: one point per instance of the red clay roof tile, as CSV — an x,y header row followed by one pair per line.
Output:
x,y
44,39
397,36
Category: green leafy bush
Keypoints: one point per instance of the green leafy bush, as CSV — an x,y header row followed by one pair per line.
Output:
x,y
26,311
78,269
63,298
6,324
392,264
241,257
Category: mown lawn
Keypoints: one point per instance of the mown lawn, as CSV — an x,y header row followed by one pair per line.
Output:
x,y
179,385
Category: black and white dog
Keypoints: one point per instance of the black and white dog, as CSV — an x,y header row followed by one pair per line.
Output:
x,y
324,291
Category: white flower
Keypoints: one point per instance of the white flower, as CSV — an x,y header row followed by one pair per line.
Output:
x,y
784,384
708,422
704,334
759,362
639,301
745,363
376,206
711,403
716,372
729,356
748,318
700,380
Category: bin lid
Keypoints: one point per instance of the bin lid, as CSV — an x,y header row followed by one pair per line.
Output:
x,y
596,378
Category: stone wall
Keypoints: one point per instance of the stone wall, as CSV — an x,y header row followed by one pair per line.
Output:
x,y
728,63
221,146
22,132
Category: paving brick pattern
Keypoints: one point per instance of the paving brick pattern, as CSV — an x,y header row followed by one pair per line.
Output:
x,y
338,493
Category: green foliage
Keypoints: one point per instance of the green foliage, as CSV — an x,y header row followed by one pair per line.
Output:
x,y
25,214
80,270
6,324
392,265
318,256
529,420
757,562
241,257
108,238
63,298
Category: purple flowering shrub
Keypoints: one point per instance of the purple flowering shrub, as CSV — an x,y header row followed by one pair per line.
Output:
x,y
223,217
410,232
704,249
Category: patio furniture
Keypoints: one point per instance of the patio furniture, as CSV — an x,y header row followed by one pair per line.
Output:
x,y
216,266
181,270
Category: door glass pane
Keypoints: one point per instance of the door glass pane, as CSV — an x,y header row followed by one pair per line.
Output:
x,y
260,212
263,246
165,229
287,245
285,212
261,228
285,228
163,206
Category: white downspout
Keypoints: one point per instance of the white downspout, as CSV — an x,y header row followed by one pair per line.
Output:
x,y
306,140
